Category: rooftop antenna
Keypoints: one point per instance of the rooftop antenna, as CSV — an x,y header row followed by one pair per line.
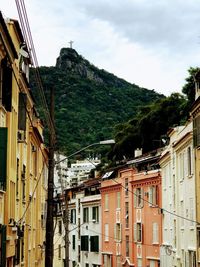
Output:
x,y
70,43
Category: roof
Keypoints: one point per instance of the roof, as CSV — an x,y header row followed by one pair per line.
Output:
x,y
3,24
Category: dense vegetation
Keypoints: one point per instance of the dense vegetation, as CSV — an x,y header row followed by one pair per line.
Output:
x,y
89,102
148,129
93,105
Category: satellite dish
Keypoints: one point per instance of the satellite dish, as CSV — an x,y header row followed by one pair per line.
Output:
x,y
23,53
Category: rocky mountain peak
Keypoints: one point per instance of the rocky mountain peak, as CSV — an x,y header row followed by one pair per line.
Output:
x,y
71,62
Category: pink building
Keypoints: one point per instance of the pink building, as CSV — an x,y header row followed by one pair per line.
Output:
x,y
131,219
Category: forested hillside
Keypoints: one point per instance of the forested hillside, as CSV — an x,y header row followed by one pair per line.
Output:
x,y
89,102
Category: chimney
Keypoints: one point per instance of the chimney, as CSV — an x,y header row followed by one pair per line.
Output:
x,y
138,152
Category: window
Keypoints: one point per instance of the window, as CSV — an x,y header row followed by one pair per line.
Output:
x,y
85,215
84,243
23,178
118,200
127,246
60,227
138,232
182,213
127,214
138,197
153,196
106,202
59,251
139,262
181,166
107,260
118,260
155,233
73,263
126,186
152,263
118,233
22,111
95,214
196,131
189,158
6,84
87,265
73,242
191,211
73,216
94,243
106,237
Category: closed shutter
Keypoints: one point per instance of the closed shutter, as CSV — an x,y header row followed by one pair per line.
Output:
x,y
94,243
3,245
3,157
22,112
84,243
6,85
135,232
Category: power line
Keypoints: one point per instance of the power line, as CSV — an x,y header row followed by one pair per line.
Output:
x,y
156,206
29,41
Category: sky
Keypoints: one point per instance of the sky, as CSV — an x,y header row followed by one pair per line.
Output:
x,y
151,43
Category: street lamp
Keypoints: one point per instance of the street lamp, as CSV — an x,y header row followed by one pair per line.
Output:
x,y
65,219
104,142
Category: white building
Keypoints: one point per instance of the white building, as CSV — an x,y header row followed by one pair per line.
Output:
x,y
60,183
79,171
178,200
85,225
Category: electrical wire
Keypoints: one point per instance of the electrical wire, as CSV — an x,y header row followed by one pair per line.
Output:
x,y
30,45
31,198
156,206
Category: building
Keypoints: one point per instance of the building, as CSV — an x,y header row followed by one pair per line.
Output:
x,y
84,228
178,198
23,157
131,221
61,183
80,170
195,114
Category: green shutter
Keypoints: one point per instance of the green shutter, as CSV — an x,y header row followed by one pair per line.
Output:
x,y
3,156
6,84
3,246
94,243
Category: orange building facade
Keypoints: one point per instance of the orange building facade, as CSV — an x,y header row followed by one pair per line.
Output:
x,y
131,217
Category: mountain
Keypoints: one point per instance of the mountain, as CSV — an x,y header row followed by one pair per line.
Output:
x,y
89,102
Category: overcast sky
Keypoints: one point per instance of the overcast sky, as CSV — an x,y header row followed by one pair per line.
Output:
x,y
151,43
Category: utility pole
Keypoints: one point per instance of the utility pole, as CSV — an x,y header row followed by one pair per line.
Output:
x,y
66,223
49,221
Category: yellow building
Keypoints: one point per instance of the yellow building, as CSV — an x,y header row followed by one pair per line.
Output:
x,y
195,112
23,157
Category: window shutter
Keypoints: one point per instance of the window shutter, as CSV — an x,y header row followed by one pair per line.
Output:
x,y
120,235
135,198
94,243
73,242
84,242
3,157
3,245
135,232
150,196
115,232
142,198
6,85
22,112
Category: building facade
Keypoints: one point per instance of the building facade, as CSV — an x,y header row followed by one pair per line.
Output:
x,y
84,208
23,157
195,114
131,220
178,197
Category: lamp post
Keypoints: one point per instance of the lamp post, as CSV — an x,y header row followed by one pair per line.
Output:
x,y
65,217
